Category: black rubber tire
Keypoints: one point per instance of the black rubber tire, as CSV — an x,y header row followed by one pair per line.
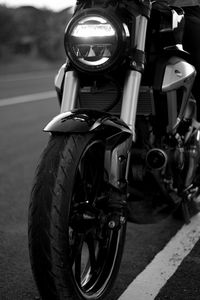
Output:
x,y
52,200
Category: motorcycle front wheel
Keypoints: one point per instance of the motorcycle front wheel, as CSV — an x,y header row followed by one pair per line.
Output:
x,y
73,253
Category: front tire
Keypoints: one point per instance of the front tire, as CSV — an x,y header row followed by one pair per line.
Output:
x,y
73,252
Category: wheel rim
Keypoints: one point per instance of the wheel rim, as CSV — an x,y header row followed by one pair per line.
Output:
x,y
93,246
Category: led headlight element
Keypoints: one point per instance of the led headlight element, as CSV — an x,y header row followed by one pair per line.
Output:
x,y
93,42
93,27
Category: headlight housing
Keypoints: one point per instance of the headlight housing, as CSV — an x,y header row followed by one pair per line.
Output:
x,y
95,40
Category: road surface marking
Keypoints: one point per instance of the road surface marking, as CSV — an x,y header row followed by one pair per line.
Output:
x,y
27,98
148,284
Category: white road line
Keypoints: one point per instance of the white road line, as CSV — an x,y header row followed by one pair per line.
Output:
x,y
147,284
27,98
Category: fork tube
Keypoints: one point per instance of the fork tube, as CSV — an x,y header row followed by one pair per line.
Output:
x,y
142,29
133,80
130,99
70,91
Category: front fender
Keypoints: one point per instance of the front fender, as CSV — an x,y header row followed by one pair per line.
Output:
x,y
84,120
115,132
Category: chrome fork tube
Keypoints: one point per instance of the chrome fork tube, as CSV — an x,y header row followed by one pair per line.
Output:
x,y
133,80
70,91
130,99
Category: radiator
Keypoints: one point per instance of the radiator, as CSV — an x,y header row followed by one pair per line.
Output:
x,y
101,100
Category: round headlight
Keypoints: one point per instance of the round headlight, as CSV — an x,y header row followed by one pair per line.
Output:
x,y
94,40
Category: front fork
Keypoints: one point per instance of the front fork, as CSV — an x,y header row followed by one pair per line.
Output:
x,y
134,76
70,91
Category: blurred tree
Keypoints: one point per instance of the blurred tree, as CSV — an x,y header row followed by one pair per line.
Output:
x,y
30,31
8,30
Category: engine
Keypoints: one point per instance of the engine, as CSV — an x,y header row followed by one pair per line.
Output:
x,y
167,164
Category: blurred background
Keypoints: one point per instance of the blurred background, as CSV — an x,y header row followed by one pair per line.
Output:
x,y
31,34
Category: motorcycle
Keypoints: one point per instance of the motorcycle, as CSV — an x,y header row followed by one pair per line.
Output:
x,y
125,146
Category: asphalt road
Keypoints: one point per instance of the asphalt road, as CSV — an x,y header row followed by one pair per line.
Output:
x,y
22,141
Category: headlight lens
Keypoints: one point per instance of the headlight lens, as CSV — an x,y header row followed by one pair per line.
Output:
x,y
94,40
